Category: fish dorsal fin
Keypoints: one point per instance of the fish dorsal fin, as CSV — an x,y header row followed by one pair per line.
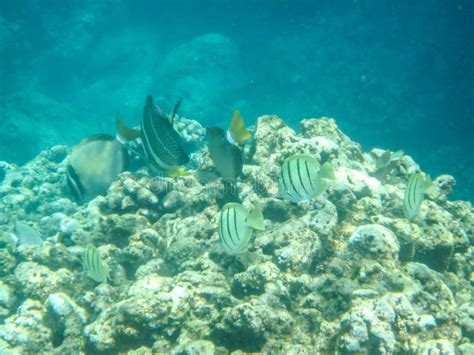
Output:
x,y
175,109
327,171
427,182
255,219
125,134
237,130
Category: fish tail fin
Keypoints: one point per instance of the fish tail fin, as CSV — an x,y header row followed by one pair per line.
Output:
x,y
237,129
255,219
320,187
125,134
427,183
178,172
327,171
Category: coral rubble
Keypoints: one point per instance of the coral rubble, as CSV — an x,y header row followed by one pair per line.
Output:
x,y
344,273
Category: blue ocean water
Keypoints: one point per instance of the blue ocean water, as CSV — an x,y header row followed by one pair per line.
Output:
x,y
394,75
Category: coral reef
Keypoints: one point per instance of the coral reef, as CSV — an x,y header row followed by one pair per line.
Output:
x,y
344,273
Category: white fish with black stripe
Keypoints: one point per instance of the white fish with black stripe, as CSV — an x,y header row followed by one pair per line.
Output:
x,y
95,267
414,194
302,178
236,226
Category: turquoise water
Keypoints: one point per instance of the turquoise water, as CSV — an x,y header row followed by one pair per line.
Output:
x,y
390,73
195,234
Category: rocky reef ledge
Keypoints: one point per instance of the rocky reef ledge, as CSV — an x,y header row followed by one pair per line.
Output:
x,y
344,273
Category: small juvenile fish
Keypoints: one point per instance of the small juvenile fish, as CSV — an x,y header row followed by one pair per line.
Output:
x,y
414,194
302,179
27,235
236,225
237,133
94,266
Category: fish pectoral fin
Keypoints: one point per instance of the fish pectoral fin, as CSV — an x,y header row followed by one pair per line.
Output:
x,y
237,129
327,171
255,219
178,172
125,134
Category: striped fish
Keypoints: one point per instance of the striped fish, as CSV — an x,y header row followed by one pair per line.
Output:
x,y
236,226
93,264
414,194
302,179
161,142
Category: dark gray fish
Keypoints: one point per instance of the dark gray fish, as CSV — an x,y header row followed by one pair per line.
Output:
x,y
161,142
93,165
227,158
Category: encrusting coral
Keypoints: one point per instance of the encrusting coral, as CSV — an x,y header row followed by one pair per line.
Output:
x,y
344,273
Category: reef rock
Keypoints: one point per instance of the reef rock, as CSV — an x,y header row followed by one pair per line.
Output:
x,y
342,273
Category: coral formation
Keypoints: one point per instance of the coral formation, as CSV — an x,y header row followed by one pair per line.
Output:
x,y
344,273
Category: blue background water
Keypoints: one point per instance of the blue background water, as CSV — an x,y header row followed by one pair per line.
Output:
x,y
394,74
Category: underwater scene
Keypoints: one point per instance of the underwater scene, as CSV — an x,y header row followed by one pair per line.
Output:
x,y
236,176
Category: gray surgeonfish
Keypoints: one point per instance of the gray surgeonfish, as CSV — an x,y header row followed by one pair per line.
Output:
x,y
161,143
301,178
27,235
236,225
227,158
93,165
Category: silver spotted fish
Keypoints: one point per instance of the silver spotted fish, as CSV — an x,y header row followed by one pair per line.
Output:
x,y
161,142
302,178
94,266
236,225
